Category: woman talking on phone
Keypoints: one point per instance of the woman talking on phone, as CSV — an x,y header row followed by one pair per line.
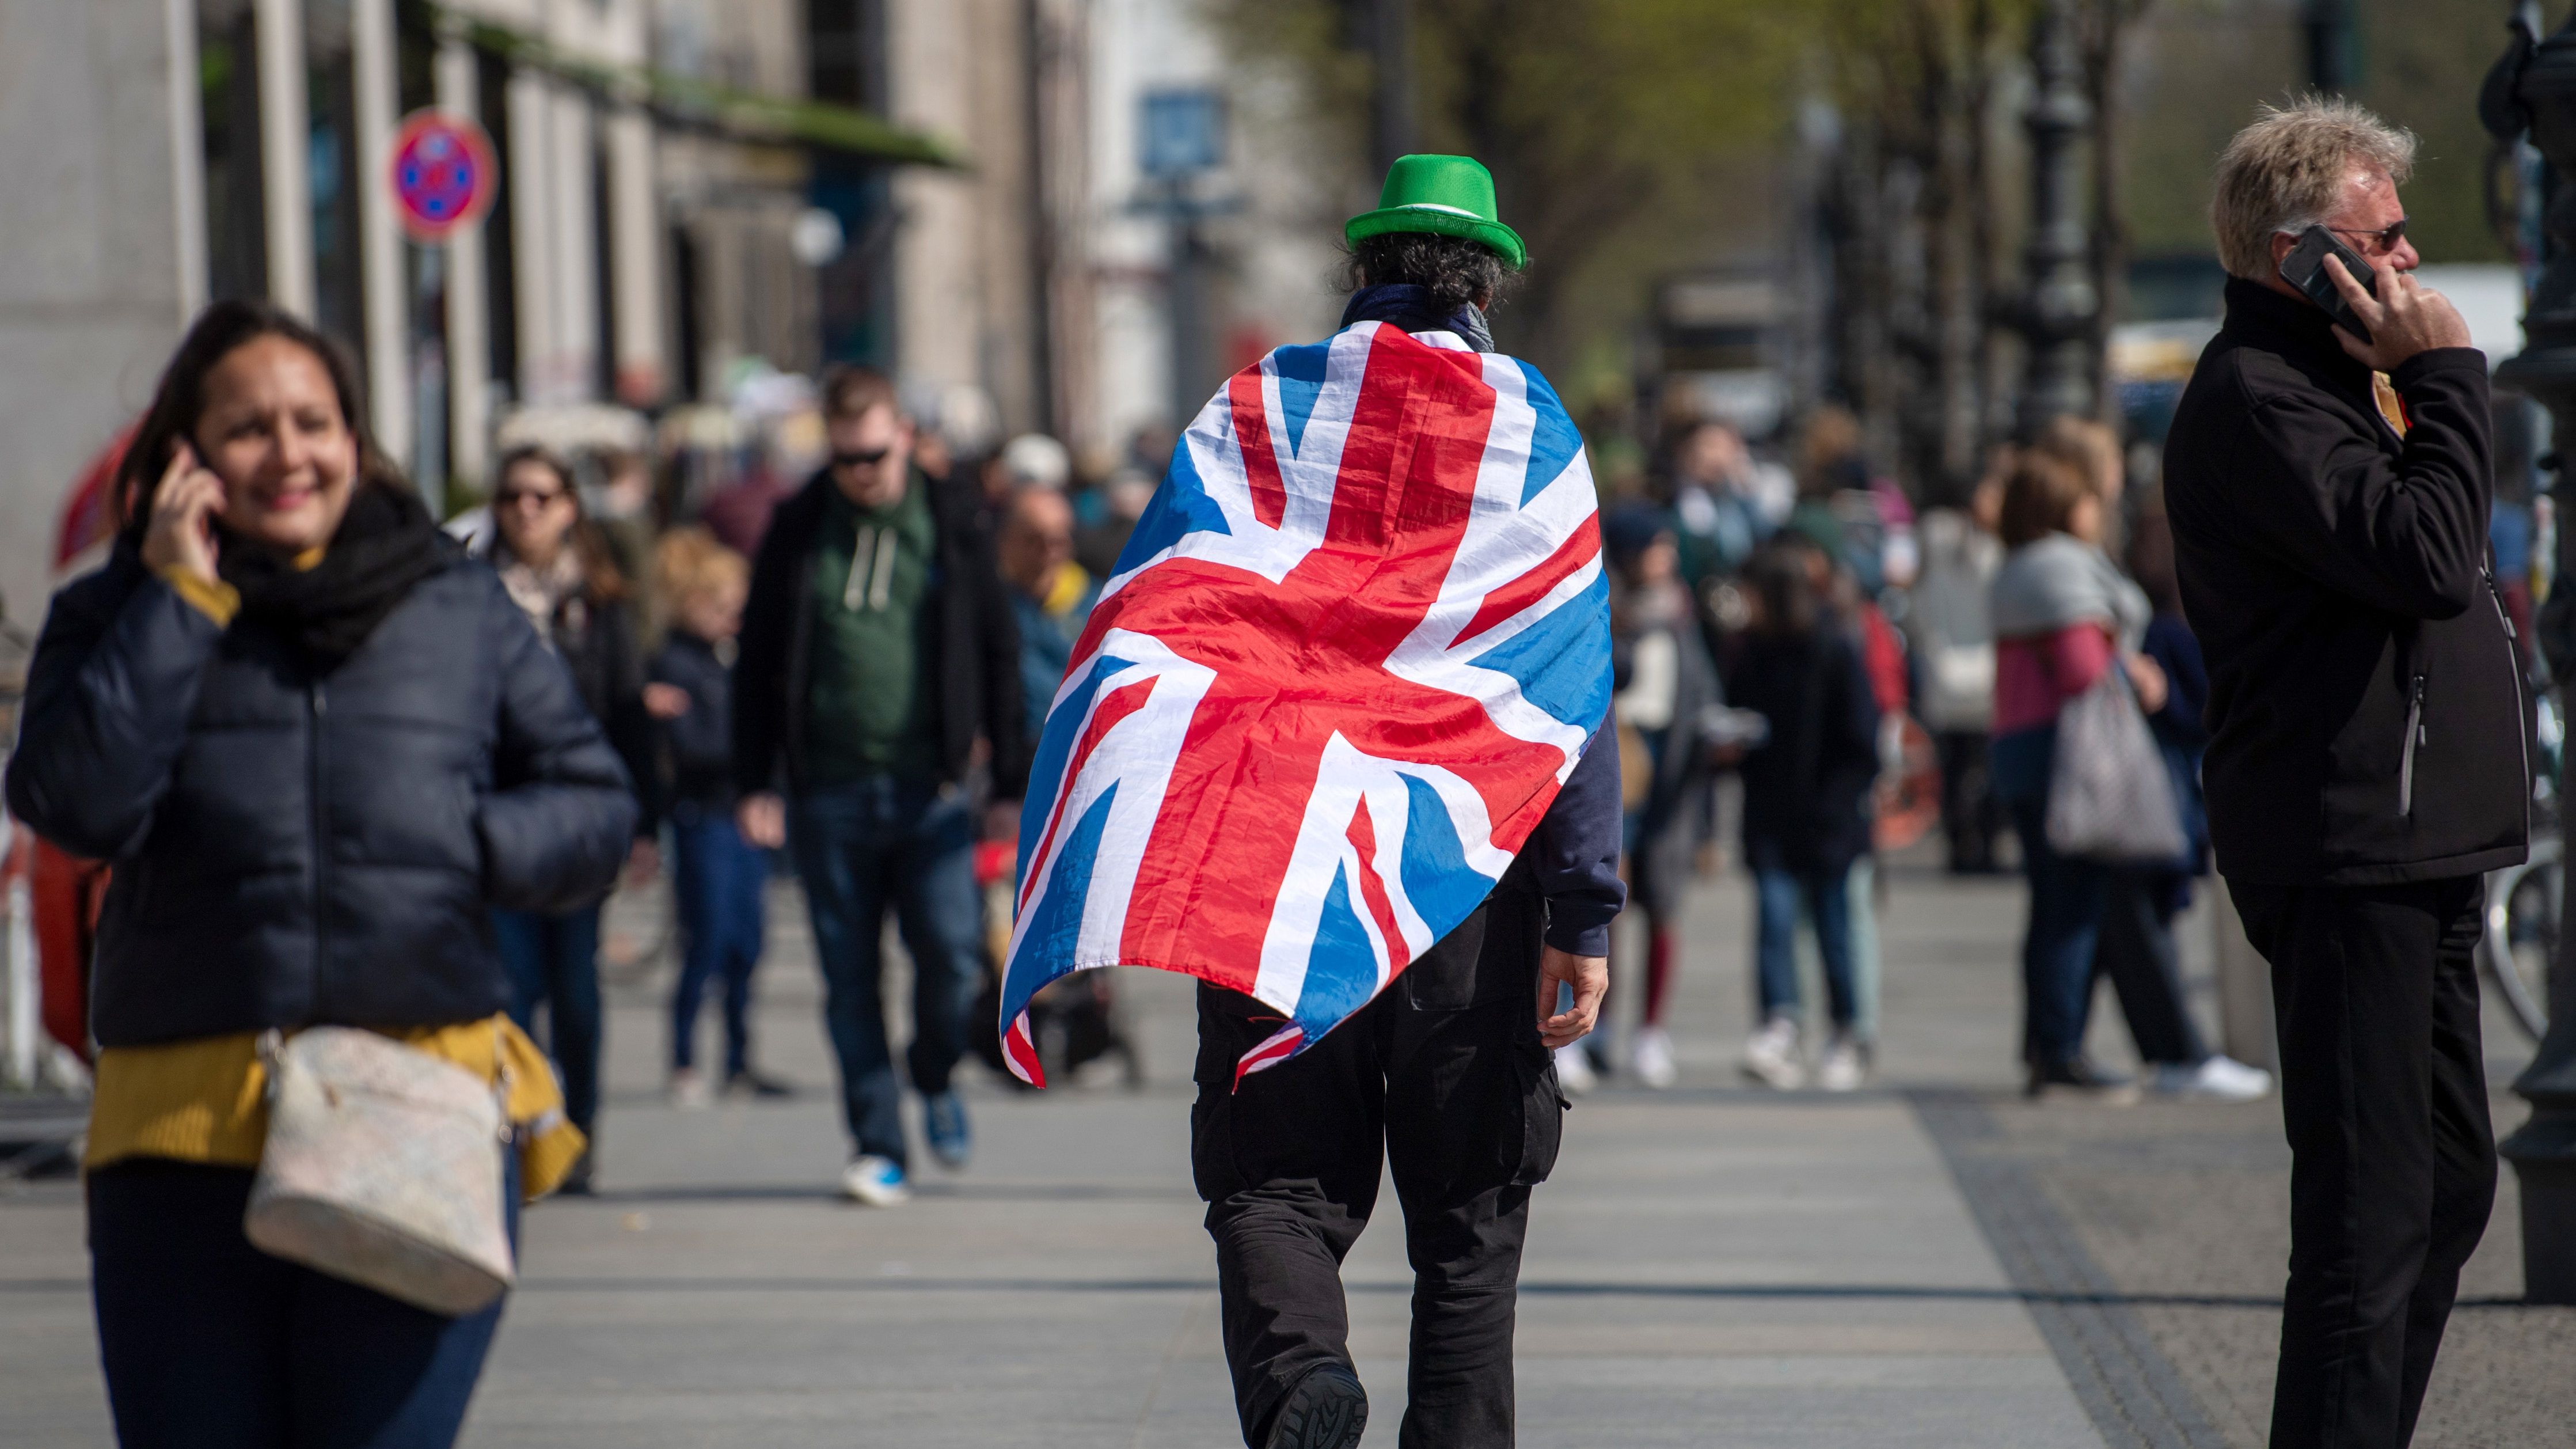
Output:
x,y
319,748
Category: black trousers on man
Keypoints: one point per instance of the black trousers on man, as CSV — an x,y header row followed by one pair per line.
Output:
x,y
2384,1095
1443,1077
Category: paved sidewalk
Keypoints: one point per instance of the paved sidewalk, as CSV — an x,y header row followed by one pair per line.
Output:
x,y
1707,1266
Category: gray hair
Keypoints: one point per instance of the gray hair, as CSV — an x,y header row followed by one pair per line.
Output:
x,y
2288,170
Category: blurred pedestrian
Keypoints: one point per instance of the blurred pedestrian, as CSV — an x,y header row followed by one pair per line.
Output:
x,y
1954,644
316,746
717,876
1667,684
1807,808
878,689
557,568
2367,758
2137,950
1715,503
1050,593
2063,616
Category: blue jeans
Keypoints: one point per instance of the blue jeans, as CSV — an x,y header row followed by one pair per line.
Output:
x,y
553,961
2067,900
209,1343
718,877
861,848
1779,892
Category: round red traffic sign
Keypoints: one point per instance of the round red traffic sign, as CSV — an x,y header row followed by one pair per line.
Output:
x,y
443,174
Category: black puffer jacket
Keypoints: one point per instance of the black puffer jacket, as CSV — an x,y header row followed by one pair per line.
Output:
x,y
2365,709
293,849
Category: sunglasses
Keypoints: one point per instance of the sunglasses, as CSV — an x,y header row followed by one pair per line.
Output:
x,y
515,497
2386,238
856,458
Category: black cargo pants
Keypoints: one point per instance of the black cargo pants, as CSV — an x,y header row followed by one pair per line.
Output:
x,y
1443,1076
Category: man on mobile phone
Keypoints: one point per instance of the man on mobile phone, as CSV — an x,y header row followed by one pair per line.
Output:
x,y
2329,497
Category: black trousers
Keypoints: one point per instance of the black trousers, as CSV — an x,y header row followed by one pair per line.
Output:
x,y
2137,951
2384,1095
1444,1078
1971,814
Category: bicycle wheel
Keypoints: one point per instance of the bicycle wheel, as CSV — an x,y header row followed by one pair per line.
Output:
x,y
2524,906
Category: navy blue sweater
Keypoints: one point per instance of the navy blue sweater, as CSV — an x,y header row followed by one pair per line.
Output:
x,y
1575,852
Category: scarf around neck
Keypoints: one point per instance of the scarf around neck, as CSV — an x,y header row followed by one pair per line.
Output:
x,y
2060,581
385,546
1414,309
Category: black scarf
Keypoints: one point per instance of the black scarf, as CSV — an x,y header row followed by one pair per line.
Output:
x,y
1414,309
386,544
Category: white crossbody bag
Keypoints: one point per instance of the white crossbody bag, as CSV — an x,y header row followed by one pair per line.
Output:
x,y
383,1167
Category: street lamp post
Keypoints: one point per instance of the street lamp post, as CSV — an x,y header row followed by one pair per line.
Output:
x,y
2057,313
2533,89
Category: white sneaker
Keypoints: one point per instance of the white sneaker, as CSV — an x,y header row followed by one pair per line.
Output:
x,y
691,1092
1843,1068
2219,1079
1771,1057
873,1181
1652,1056
1574,1070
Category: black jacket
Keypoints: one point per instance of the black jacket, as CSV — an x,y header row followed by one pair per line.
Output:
x,y
1807,786
293,849
973,648
2365,712
697,748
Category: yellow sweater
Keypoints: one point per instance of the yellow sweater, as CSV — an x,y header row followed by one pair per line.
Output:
x,y
206,1099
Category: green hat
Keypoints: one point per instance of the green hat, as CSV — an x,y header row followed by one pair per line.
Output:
x,y
1445,195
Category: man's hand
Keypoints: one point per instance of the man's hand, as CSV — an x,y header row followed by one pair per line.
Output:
x,y
665,701
762,819
2406,317
1590,978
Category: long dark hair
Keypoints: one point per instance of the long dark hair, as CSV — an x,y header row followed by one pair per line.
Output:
x,y
588,542
1782,573
180,401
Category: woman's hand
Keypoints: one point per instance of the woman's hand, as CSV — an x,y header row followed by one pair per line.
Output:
x,y
2148,677
181,531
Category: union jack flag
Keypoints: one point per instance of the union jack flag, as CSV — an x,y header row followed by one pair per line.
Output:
x,y
1357,642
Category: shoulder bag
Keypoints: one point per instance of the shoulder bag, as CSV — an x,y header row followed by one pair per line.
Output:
x,y
2110,797
384,1168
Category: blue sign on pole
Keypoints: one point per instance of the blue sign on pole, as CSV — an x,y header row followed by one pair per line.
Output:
x,y
1181,133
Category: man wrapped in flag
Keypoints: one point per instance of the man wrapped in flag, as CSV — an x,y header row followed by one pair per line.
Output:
x,y
1326,744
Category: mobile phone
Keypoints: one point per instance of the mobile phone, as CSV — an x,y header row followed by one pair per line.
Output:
x,y
2305,269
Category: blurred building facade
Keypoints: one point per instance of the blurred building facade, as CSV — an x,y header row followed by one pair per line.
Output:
x,y
690,192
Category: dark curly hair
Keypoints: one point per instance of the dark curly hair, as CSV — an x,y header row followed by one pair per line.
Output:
x,y
1455,270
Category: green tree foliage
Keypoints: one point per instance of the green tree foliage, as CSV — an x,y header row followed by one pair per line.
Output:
x,y
1617,130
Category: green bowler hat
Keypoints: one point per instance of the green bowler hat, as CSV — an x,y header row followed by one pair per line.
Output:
x,y
1446,195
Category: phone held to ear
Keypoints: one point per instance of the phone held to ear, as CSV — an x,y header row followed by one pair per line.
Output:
x,y
2305,269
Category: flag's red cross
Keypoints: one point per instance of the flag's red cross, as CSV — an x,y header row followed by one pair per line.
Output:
x,y
1304,659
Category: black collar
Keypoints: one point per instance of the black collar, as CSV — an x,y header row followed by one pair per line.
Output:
x,y
2300,332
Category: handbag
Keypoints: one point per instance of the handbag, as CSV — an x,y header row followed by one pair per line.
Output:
x,y
383,1167
2110,796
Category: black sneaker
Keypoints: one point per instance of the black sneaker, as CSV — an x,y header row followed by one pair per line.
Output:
x,y
1327,1410
2080,1076
750,1083
577,1179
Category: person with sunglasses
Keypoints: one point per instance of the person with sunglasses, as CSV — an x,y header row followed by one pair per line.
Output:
x,y
877,695
556,565
2329,494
